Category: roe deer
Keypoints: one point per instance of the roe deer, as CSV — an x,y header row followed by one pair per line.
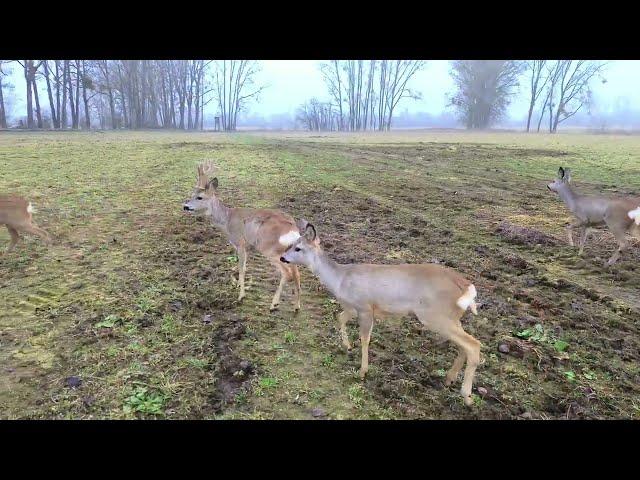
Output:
x,y
437,295
268,231
621,215
16,215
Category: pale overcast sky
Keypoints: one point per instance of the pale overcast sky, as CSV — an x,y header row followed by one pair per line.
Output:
x,y
292,82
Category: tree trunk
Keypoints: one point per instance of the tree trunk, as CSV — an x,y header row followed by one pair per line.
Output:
x,y
27,79
65,75
3,115
37,99
87,120
52,106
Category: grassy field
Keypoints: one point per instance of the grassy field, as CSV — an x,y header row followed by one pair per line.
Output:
x,y
108,321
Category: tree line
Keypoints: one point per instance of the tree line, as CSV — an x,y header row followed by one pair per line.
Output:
x,y
362,94
131,94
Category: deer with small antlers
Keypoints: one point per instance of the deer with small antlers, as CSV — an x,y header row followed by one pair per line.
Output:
x,y
620,215
16,215
437,295
270,232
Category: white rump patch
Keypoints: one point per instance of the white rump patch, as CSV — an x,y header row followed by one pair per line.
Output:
x,y
635,215
30,208
288,238
467,300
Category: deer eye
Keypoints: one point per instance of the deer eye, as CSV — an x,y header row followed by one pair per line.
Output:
x,y
199,198
297,249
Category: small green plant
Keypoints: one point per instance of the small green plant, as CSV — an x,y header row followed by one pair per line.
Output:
x,y
441,372
283,357
289,337
327,360
571,376
356,395
560,345
241,398
109,321
168,324
232,259
589,375
144,401
197,362
144,305
113,351
535,334
268,382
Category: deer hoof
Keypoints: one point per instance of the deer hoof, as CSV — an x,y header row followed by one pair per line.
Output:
x,y
468,401
273,307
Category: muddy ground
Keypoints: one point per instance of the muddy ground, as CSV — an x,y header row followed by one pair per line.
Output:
x,y
132,313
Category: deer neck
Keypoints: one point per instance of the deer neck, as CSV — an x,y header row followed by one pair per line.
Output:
x,y
568,196
328,271
219,213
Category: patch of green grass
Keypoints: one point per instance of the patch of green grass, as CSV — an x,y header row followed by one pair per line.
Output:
x,y
142,400
110,321
328,361
356,395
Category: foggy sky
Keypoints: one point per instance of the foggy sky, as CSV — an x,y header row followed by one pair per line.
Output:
x,y
292,82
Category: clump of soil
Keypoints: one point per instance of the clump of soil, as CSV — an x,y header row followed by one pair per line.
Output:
x,y
524,235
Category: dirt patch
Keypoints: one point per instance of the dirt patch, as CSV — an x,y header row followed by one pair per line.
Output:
x,y
232,373
524,235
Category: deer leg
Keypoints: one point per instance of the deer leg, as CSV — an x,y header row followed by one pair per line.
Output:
x,y
365,319
453,373
622,246
570,229
284,274
468,348
242,268
15,238
346,315
570,234
583,239
37,231
296,287
621,236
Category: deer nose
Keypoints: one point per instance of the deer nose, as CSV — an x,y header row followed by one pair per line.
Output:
x,y
283,260
186,208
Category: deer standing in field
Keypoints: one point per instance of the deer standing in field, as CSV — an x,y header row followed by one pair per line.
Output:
x,y
621,215
437,295
16,215
270,232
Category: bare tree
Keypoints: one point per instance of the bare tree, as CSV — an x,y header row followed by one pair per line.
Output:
x,y
537,82
552,72
318,116
484,89
234,85
352,87
397,76
573,92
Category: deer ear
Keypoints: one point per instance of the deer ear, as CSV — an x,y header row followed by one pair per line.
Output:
x,y
310,232
567,175
214,182
561,173
302,225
